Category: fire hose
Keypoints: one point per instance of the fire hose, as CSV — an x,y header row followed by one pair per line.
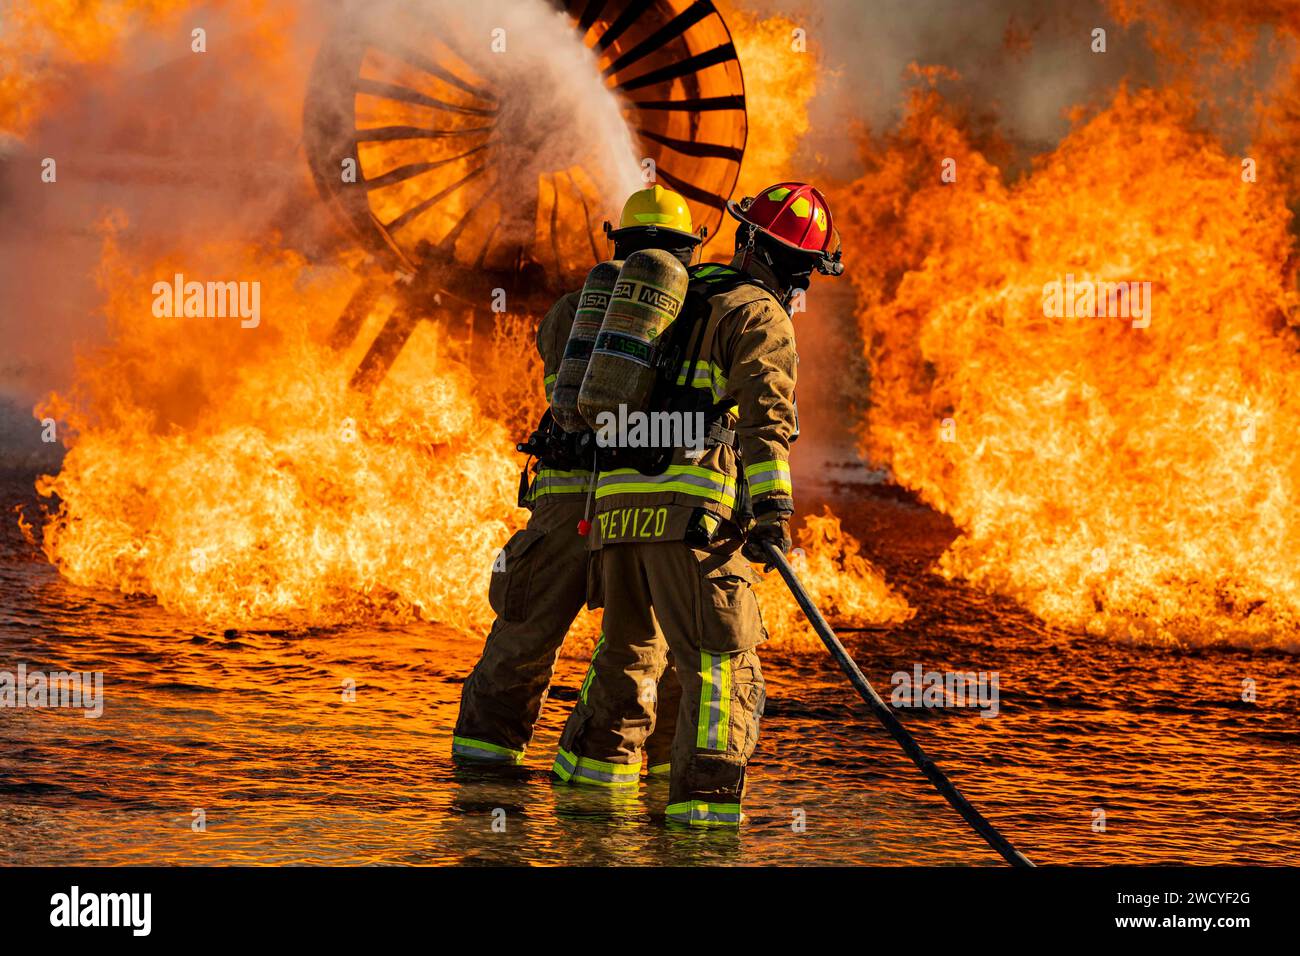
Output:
x,y
890,722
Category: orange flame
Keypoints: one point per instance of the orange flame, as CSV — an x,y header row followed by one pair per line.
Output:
x,y
41,43
1137,482
235,476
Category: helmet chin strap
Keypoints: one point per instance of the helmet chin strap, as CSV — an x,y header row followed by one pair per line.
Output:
x,y
749,246
791,283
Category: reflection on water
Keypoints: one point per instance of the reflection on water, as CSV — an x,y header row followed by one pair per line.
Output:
x,y
254,730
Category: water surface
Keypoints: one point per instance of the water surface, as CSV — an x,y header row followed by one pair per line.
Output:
x,y
252,728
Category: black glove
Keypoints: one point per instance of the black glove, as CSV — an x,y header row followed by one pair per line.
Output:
x,y
772,528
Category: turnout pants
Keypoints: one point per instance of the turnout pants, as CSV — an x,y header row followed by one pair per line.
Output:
x,y
666,597
538,586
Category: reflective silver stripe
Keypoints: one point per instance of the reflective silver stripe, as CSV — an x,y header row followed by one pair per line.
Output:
x,y
721,483
558,481
605,776
478,753
715,663
705,374
714,816
565,763
769,474
696,811
552,482
569,765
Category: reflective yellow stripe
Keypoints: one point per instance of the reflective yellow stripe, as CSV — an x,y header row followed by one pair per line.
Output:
x,y
705,375
570,767
563,768
688,479
591,668
553,481
707,690
759,467
482,750
652,488
548,384
713,728
713,273
659,769
700,813
769,476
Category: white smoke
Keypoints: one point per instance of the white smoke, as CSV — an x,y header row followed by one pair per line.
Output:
x,y
1023,63
556,111
184,148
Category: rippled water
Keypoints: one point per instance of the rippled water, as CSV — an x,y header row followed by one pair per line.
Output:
x,y
252,729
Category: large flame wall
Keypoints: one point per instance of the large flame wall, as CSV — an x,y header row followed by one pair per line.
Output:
x,y
1137,482
233,475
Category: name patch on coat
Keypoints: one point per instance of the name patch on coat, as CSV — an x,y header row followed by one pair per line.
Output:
x,y
647,523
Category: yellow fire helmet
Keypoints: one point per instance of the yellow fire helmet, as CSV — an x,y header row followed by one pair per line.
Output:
x,y
653,209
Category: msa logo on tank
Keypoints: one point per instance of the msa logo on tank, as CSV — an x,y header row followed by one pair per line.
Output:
x,y
638,343
624,346
659,298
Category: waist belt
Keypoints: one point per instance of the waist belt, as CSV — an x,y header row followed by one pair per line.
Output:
x,y
715,434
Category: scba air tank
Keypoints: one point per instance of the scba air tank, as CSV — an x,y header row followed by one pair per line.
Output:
x,y
592,303
646,300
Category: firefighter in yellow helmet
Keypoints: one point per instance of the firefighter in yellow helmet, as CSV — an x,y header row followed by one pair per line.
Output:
x,y
680,576
539,581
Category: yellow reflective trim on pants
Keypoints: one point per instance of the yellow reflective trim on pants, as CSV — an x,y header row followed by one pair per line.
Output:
x,y
482,750
724,699
707,690
659,769
713,727
562,769
548,384
700,813
591,668
571,768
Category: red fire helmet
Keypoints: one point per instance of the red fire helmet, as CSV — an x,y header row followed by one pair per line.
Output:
x,y
795,215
